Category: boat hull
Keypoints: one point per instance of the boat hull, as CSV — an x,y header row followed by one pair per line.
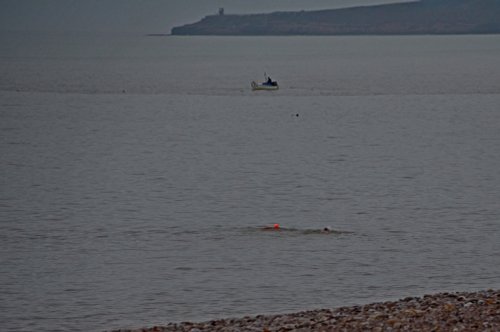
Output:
x,y
256,86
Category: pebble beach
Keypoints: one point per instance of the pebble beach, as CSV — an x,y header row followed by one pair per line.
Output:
x,y
460,311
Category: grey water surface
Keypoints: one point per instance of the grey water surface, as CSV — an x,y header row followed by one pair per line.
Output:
x,y
137,173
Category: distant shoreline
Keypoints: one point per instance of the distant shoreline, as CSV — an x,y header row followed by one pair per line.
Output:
x,y
351,35
461,311
425,17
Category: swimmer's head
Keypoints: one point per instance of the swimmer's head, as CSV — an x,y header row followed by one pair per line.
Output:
x,y
327,229
276,226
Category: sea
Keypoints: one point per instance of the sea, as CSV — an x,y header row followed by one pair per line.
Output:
x,y
138,174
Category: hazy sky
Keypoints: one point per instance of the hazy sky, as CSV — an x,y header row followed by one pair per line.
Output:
x,y
141,16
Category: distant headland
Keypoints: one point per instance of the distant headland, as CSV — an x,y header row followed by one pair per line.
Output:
x,y
410,18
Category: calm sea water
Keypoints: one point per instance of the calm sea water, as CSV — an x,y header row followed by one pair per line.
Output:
x,y
136,173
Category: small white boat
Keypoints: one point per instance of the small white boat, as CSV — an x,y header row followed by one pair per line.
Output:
x,y
264,86
267,85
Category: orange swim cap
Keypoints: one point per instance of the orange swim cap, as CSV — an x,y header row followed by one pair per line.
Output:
x,y
276,226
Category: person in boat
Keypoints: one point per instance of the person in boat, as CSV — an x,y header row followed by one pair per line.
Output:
x,y
269,81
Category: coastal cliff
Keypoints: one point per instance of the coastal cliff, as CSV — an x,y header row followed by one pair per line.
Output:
x,y
420,17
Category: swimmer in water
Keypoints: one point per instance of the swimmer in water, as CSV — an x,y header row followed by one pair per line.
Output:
x,y
275,227
326,230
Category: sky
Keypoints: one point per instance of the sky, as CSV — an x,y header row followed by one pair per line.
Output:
x,y
140,16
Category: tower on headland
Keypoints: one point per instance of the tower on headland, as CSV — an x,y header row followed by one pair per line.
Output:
x,y
221,11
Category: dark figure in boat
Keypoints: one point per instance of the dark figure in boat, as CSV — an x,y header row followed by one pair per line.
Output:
x,y
270,82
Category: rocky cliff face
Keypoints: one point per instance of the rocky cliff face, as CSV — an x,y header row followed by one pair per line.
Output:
x,y
422,17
